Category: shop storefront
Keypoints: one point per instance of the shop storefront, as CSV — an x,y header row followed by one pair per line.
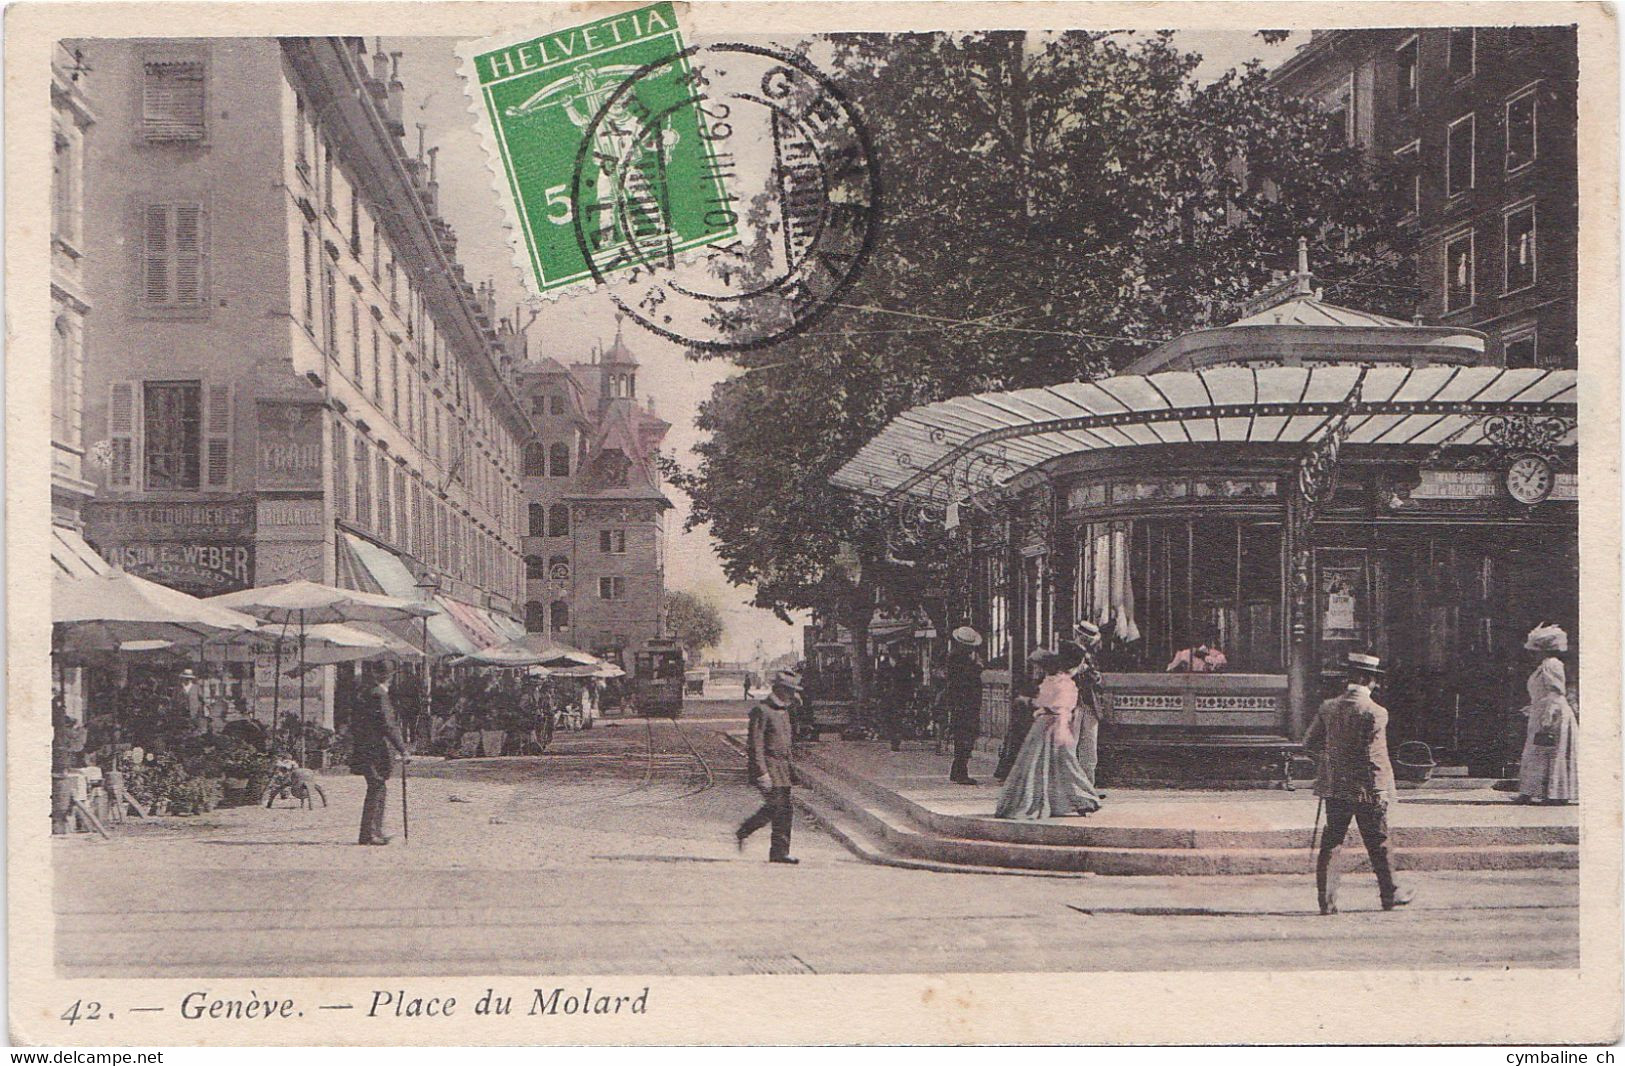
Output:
x,y
1250,505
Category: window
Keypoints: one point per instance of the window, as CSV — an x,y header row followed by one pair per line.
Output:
x,y
403,514
612,541
301,160
538,520
328,205
172,433
611,588
355,340
363,482
395,383
355,222
64,403
1459,268
995,607
65,187
557,400
535,617
1458,162
535,460
172,256
1159,587
1463,46
558,520
535,568
341,472
1521,121
1408,180
377,370
560,612
1407,76
330,312
172,100
558,456
1519,223
1522,348
310,281
386,522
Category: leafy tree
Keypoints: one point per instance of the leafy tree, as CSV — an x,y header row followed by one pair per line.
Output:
x,y
694,623
1053,207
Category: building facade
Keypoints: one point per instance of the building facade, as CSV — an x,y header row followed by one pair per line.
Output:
x,y
595,543
71,122
1480,126
289,376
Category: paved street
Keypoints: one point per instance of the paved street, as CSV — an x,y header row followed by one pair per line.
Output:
x,y
613,853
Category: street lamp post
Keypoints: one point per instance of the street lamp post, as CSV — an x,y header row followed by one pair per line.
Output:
x,y
428,586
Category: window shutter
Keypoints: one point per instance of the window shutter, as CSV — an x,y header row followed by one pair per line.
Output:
x,y
172,101
156,254
217,438
189,255
121,436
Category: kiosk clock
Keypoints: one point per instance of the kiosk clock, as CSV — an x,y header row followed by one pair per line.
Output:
x,y
1529,479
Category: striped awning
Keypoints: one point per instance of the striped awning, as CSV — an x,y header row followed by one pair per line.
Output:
x,y
926,451
72,556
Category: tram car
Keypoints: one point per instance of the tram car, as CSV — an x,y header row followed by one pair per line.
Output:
x,y
657,678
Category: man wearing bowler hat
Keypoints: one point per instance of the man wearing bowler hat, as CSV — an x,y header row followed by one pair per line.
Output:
x,y
375,741
962,700
1356,780
771,757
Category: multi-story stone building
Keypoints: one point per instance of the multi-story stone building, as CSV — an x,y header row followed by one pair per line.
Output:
x,y
71,121
289,375
1480,122
595,543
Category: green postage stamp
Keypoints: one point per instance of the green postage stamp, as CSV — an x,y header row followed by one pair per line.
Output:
x,y
605,162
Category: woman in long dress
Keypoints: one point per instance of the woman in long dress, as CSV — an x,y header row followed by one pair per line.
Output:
x,y
1549,769
1047,781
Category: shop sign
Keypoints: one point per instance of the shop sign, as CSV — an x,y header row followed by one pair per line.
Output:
x,y
138,520
289,452
1457,485
203,567
1089,494
292,518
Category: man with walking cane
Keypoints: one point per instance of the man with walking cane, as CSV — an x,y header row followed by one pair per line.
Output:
x,y
376,739
1356,780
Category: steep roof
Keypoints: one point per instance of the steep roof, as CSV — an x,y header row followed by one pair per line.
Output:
x,y
620,461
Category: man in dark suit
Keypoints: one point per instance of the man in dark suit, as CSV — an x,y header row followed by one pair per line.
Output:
x,y
1356,780
962,699
771,760
375,740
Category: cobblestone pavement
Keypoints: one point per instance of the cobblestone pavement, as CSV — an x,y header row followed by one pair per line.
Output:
x,y
613,853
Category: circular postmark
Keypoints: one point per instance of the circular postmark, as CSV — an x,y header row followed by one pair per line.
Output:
x,y
725,197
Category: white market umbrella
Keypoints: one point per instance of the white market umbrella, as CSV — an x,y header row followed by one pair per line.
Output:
x,y
552,653
509,655
306,603
105,611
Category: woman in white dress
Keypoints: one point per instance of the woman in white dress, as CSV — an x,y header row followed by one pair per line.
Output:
x,y
1549,770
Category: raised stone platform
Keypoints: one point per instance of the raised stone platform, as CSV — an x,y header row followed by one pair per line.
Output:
x,y
899,807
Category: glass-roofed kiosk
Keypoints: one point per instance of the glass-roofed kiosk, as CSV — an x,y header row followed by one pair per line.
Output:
x,y
1242,507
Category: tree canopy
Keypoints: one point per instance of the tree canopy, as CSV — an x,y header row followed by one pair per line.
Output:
x,y
694,623
1053,206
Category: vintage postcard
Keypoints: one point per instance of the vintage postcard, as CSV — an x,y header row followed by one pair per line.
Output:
x,y
650,523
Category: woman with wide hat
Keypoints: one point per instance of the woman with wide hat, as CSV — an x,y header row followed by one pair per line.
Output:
x,y
1047,780
1549,771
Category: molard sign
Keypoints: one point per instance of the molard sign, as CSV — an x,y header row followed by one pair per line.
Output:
x,y
203,547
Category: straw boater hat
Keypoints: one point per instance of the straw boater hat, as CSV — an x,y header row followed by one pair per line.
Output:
x,y
1547,638
1360,662
968,636
1086,632
188,675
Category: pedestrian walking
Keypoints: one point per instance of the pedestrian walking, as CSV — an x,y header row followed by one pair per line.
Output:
x,y
1022,702
1355,780
1047,780
1549,771
376,739
772,761
961,698
1084,646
